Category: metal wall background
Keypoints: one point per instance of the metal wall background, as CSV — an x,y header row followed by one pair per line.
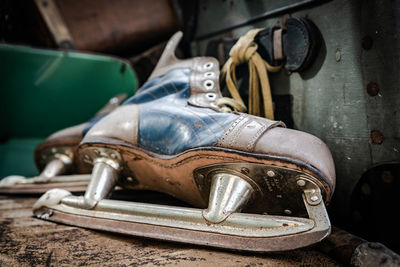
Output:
x,y
330,100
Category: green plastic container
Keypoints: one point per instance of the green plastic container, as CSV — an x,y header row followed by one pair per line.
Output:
x,y
42,91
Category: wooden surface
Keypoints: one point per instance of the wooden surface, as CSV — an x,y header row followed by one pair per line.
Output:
x,y
27,241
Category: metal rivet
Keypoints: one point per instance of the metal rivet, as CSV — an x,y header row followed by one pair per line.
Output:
x,y
301,182
209,74
113,156
387,177
209,84
129,179
97,152
53,150
372,89
366,189
211,96
314,198
271,173
376,137
367,42
200,176
245,170
288,212
338,55
86,156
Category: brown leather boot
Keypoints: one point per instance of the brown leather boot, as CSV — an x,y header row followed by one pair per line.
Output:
x,y
175,136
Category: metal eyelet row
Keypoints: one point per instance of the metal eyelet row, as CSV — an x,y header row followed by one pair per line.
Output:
x,y
209,84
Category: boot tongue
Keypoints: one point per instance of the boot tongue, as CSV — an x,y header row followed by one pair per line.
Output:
x,y
201,75
175,84
168,56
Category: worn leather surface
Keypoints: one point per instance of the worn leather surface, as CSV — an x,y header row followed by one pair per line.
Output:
x,y
204,83
245,126
258,135
265,42
204,74
169,124
299,146
121,124
299,44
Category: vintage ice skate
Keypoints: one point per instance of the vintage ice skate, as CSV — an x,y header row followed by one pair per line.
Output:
x,y
174,137
55,158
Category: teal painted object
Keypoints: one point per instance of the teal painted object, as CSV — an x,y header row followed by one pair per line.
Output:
x,y
43,91
16,157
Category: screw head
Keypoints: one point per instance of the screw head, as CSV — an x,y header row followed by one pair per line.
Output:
x,y
387,177
372,89
338,55
245,170
288,212
376,137
367,42
314,198
271,173
301,182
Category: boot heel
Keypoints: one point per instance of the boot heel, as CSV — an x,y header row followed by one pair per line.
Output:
x,y
229,194
105,174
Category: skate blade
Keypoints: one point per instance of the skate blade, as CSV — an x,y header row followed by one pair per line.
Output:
x,y
40,185
239,231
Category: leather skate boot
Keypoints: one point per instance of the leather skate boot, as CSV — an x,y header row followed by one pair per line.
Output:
x,y
57,156
175,136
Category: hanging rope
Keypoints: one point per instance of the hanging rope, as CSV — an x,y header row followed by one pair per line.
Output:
x,y
245,50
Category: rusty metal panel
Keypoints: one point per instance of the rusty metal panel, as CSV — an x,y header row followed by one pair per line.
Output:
x,y
349,97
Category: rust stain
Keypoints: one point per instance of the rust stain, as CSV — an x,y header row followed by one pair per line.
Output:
x,y
376,137
372,89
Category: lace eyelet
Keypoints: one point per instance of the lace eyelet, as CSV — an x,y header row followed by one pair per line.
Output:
x,y
208,65
211,96
209,74
208,84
